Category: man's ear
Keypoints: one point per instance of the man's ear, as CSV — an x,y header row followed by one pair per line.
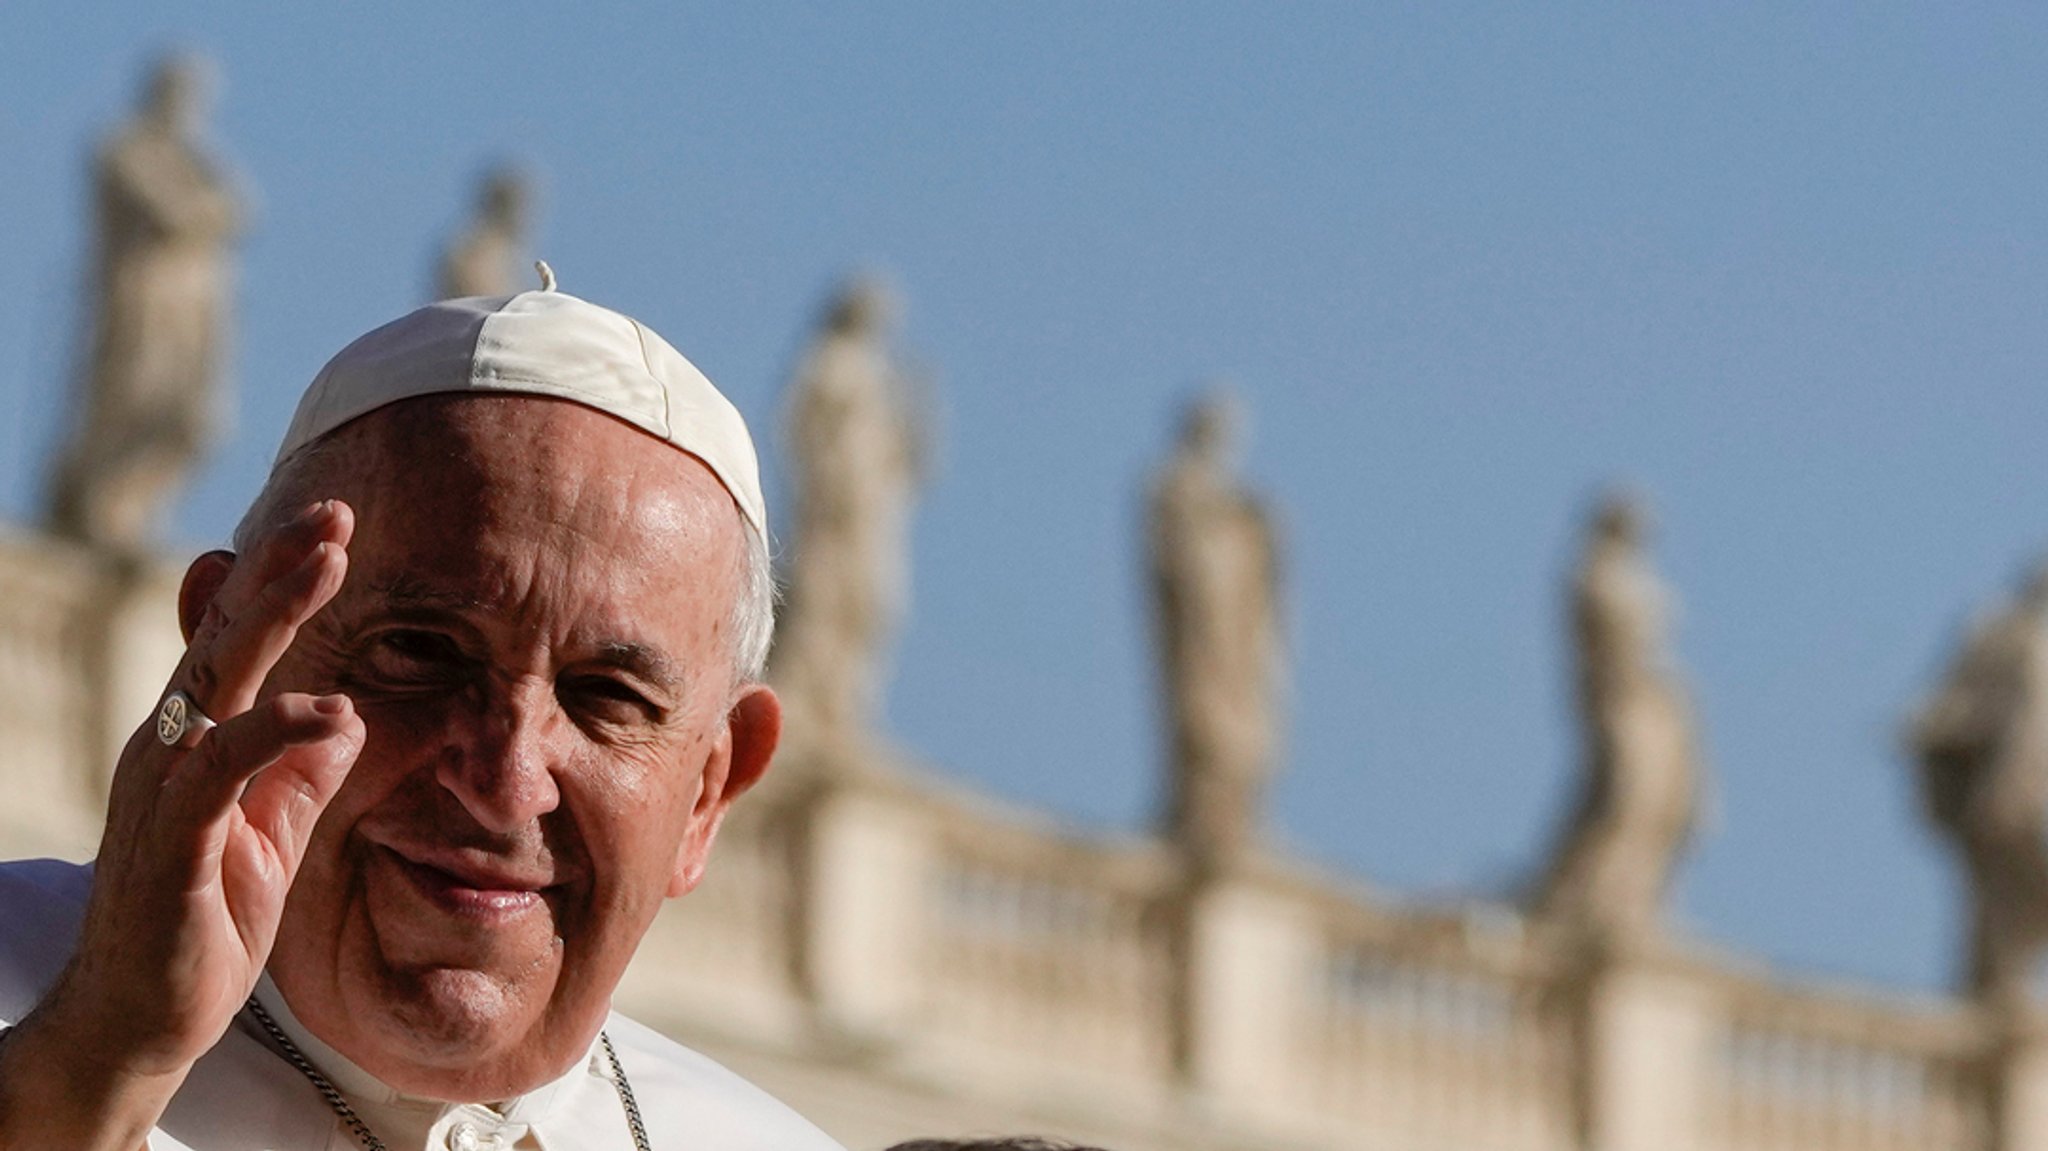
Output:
x,y
203,581
752,728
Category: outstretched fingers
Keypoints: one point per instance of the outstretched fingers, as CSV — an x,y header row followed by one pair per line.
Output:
x,y
261,606
282,761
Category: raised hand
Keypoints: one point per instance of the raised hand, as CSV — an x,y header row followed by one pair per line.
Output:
x,y
200,849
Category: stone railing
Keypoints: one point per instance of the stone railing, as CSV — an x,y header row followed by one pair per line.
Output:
x,y
1809,1072
868,922
931,937
1038,944
1441,1031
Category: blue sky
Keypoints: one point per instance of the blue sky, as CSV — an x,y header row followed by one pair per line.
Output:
x,y
1779,267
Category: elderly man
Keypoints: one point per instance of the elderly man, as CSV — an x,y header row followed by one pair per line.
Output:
x,y
465,705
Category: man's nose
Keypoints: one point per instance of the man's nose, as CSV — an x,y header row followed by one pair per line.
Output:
x,y
503,772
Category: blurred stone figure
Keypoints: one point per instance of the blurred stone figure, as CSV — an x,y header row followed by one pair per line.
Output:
x,y
1215,585
166,216
487,258
857,452
1641,778
1982,746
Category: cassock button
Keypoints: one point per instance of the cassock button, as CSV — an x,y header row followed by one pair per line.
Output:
x,y
467,1136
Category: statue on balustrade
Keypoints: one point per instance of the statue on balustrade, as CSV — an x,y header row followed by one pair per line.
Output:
x,y
1215,589
1641,772
150,393
856,438
1982,745
487,258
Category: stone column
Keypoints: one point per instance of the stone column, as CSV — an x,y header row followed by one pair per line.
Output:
x,y
2017,1084
1644,1039
1244,954
864,861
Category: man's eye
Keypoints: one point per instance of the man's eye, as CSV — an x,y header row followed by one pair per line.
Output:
x,y
407,653
609,699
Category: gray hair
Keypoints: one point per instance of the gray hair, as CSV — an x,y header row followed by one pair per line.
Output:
x,y
751,626
753,609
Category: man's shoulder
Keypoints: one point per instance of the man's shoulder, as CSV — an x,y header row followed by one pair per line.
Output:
x,y
698,1100
41,904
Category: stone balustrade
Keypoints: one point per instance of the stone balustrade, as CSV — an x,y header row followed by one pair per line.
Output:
x,y
897,955
1805,1071
1441,1029
993,953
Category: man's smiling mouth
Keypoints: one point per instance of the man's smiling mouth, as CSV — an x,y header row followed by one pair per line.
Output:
x,y
471,887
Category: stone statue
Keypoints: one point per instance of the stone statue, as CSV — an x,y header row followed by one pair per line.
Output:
x,y
857,452
151,399
1982,746
487,259
1639,798
1215,589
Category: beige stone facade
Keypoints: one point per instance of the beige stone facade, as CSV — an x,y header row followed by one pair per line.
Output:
x,y
895,955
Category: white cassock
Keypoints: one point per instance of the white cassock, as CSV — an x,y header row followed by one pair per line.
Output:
x,y
244,1096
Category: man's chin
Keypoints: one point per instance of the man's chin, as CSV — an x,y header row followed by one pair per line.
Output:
x,y
453,1033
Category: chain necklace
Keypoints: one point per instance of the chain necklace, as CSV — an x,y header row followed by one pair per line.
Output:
x,y
368,1138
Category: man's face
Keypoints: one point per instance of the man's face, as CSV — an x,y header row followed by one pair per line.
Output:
x,y
535,628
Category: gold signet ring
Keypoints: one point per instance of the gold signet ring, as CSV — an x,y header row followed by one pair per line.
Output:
x,y
179,722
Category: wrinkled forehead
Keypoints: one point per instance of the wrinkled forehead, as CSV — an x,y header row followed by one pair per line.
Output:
x,y
510,439
464,456
541,526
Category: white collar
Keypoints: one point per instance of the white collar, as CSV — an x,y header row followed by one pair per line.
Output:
x,y
529,1107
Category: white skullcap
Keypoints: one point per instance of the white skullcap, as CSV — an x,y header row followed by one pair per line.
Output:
x,y
544,343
